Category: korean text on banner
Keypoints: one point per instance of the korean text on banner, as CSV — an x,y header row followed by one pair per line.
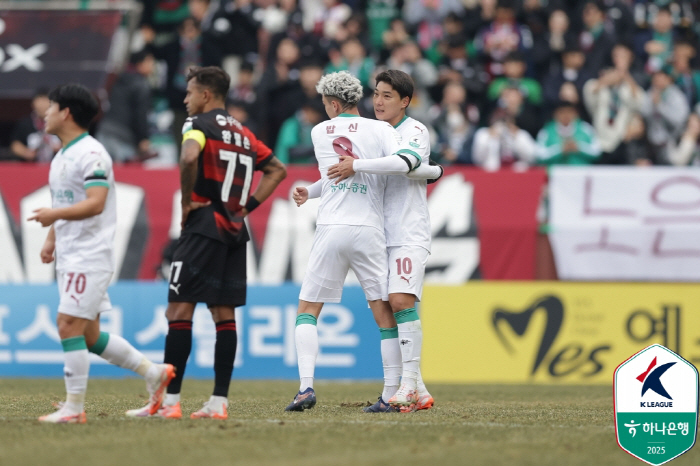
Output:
x,y
623,223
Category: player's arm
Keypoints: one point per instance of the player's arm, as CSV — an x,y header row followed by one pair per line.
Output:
x,y
274,172
93,205
49,247
193,142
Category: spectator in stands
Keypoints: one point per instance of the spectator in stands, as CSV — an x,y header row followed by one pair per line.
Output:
x,y
244,88
514,67
503,144
30,142
454,124
549,46
234,29
309,45
503,36
161,18
665,111
189,48
569,73
688,150
619,19
567,139
380,15
331,17
612,101
595,41
241,111
655,47
396,35
426,17
457,65
408,58
526,115
294,143
353,58
685,77
124,129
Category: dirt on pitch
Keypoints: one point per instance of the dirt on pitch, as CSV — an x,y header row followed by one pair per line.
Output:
x,y
470,425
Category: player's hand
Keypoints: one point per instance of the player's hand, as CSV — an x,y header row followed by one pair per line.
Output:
x,y
342,170
44,215
300,195
187,208
47,252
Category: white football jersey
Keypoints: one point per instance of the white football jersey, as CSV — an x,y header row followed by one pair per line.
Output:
x,y
406,217
359,199
83,245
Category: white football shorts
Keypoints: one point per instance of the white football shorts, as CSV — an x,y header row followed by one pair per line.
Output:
x,y
84,294
407,269
337,249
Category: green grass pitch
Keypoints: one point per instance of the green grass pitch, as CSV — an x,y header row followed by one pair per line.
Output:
x,y
470,425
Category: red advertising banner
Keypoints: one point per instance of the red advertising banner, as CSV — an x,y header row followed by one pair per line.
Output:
x,y
47,48
484,224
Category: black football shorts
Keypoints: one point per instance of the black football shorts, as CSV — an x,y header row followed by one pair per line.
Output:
x,y
204,270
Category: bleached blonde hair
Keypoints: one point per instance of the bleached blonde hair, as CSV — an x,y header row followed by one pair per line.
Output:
x,y
341,85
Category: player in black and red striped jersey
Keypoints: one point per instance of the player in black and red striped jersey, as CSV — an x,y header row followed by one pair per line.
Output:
x,y
217,162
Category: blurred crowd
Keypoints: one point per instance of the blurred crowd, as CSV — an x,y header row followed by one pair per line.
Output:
x,y
499,83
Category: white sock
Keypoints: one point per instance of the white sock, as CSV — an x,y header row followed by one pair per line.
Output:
x,y
75,373
391,363
422,390
171,399
119,352
411,342
216,401
306,338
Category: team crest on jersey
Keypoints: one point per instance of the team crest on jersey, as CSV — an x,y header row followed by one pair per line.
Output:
x,y
414,142
221,120
98,168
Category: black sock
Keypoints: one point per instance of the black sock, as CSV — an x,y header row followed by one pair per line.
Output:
x,y
178,344
224,354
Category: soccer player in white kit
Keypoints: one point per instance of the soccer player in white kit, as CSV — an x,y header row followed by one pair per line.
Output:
x,y
83,222
374,146
407,229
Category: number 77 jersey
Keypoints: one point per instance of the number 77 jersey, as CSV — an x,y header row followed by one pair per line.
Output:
x,y
229,154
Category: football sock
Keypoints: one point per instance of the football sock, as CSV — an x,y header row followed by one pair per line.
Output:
x,y
391,361
421,386
116,350
75,373
411,341
306,338
224,355
178,344
171,399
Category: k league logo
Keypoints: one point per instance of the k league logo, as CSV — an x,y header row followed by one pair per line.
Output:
x,y
656,405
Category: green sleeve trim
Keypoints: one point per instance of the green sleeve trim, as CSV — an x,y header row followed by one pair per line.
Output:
x,y
306,319
100,345
388,333
74,344
92,184
410,152
407,315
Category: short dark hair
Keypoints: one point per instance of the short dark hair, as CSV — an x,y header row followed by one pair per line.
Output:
x,y
139,57
212,77
399,81
41,92
78,98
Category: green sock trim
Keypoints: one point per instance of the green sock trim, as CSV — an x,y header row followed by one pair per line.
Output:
x,y
387,333
100,345
407,315
306,319
74,344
